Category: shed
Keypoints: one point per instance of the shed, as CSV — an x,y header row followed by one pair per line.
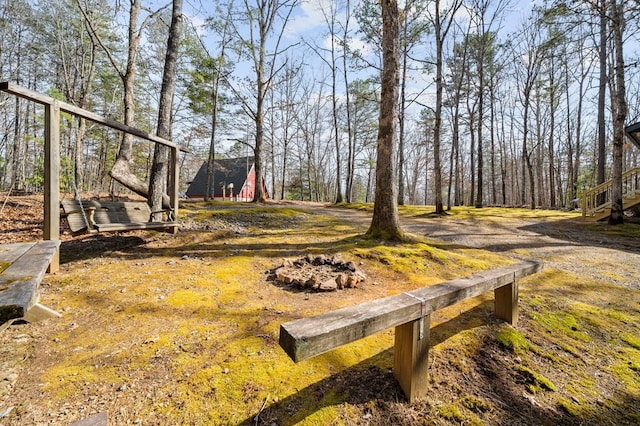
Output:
x,y
234,179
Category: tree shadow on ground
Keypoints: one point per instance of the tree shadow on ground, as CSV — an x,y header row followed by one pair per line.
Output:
x,y
583,233
97,245
371,388
368,385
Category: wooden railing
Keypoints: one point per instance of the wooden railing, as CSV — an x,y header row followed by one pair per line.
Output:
x,y
599,198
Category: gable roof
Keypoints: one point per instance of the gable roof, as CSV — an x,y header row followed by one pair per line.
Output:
x,y
230,170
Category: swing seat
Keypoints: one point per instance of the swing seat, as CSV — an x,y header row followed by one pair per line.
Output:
x,y
114,216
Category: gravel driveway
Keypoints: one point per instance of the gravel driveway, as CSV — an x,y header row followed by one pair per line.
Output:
x,y
566,244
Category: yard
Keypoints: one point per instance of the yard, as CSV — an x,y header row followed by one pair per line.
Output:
x,y
183,329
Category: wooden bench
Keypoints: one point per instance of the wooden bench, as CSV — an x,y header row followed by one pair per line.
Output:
x,y
409,313
113,216
22,267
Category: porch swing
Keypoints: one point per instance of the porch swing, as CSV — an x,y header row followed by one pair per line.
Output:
x,y
91,216
96,216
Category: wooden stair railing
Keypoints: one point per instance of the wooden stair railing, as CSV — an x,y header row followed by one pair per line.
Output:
x,y
596,202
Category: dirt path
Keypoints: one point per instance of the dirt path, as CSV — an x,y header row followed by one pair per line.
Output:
x,y
562,244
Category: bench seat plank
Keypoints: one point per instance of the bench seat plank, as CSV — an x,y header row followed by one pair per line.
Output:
x,y
10,252
19,282
112,227
451,292
112,216
307,337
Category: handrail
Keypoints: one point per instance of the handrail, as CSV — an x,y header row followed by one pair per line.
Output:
x,y
599,198
25,93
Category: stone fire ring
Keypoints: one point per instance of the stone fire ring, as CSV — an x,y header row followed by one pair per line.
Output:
x,y
318,273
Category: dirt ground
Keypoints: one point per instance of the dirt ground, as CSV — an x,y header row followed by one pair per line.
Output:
x,y
471,386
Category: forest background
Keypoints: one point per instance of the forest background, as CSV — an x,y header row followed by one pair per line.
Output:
x,y
528,94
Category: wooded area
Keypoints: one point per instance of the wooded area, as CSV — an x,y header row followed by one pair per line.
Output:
x,y
494,107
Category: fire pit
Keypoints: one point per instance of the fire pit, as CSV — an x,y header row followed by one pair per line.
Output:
x,y
318,273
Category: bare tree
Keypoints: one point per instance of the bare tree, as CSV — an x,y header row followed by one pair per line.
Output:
x,y
252,27
160,167
121,169
385,222
619,107
442,20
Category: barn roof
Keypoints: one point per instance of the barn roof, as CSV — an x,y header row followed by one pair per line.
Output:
x,y
230,170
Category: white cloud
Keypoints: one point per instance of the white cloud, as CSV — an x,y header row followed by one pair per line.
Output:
x,y
309,18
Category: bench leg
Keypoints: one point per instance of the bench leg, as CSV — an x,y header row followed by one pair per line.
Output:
x,y
40,312
506,302
411,357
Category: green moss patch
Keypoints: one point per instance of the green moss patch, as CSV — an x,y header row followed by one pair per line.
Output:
x,y
473,403
534,382
509,338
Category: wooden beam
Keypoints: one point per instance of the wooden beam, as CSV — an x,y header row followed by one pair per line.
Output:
x,y
506,303
308,337
39,312
174,183
52,177
72,109
411,357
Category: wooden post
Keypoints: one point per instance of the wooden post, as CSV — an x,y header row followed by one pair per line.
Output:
x,y
52,178
411,357
174,183
506,302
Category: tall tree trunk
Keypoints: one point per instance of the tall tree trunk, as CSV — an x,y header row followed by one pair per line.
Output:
x,y
437,124
492,136
209,192
121,170
552,124
160,167
336,129
351,137
619,107
385,222
401,114
602,56
480,191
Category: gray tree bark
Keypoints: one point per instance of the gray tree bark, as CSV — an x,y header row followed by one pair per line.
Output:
x,y
385,223
160,166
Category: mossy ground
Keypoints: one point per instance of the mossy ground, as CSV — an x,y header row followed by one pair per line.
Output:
x,y
183,329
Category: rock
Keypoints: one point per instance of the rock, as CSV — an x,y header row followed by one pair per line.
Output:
x,y
328,285
341,280
319,260
351,266
5,412
352,281
313,281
